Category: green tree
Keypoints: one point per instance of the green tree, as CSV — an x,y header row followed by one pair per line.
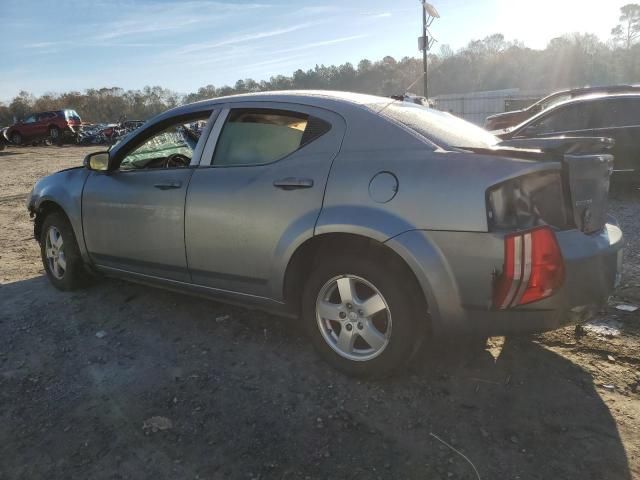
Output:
x,y
628,30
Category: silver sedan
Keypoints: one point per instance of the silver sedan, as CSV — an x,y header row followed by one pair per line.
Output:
x,y
377,222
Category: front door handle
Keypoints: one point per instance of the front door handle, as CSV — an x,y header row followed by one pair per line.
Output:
x,y
292,183
168,186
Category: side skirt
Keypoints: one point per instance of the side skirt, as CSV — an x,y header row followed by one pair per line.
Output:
x,y
244,300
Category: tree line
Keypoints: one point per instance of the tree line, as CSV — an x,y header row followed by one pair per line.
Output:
x,y
491,63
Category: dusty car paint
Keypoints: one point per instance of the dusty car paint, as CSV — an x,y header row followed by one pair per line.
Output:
x,y
240,251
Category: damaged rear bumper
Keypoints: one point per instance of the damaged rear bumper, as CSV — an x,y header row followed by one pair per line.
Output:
x,y
456,270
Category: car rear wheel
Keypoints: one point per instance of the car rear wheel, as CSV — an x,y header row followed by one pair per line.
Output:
x,y
60,253
361,317
16,138
55,135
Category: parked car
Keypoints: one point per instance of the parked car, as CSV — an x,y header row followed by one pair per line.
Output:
x,y
3,138
509,119
612,116
377,222
38,126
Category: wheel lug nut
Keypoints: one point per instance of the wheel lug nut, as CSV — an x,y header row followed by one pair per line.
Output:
x,y
348,327
360,326
361,313
343,315
349,306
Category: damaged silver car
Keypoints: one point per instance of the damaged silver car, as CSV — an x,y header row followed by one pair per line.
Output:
x,y
378,223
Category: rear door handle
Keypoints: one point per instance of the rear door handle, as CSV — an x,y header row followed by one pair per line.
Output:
x,y
292,183
168,186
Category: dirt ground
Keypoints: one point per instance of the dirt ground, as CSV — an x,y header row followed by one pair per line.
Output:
x,y
240,394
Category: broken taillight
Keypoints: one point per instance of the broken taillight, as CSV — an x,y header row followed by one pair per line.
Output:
x,y
533,268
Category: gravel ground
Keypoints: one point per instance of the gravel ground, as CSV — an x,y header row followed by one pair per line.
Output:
x,y
124,381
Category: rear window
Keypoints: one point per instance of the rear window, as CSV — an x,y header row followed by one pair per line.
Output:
x,y
261,136
439,127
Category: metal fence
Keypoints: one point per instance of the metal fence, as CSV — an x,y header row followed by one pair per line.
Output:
x,y
477,106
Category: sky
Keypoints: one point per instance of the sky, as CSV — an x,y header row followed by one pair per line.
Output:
x,y
186,44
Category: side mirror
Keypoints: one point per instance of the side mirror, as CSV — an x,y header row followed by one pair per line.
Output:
x,y
97,161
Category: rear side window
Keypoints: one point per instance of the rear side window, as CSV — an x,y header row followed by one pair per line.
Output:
x,y
439,127
259,136
621,112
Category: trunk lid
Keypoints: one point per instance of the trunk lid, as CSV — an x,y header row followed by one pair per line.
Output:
x,y
587,166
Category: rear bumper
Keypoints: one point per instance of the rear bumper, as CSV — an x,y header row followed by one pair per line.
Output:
x,y
456,271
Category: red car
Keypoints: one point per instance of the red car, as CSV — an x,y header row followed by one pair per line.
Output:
x,y
54,125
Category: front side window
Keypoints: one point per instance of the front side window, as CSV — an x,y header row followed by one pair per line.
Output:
x,y
258,136
173,147
565,119
30,119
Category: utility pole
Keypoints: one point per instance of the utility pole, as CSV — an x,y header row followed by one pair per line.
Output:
x,y
424,50
429,14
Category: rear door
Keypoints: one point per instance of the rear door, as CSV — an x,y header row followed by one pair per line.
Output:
x,y
41,127
258,193
619,118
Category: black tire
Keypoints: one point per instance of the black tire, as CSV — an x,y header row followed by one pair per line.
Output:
x,y
74,275
55,134
398,288
16,138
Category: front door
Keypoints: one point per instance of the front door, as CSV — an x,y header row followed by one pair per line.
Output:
x,y
258,192
133,217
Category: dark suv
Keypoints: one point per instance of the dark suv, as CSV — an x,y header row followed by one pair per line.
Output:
x,y
611,116
500,121
37,126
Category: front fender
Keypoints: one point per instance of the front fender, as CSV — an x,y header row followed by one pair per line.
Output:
x,y
64,189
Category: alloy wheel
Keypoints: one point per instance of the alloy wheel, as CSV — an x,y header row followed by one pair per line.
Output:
x,y
353,317
54,251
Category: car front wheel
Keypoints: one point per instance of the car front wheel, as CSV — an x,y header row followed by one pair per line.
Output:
x,y
361,315
60,253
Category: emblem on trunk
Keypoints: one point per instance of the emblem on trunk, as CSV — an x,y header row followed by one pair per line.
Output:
x,y
583,203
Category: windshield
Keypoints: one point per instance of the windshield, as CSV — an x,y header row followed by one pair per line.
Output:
x,y
439,127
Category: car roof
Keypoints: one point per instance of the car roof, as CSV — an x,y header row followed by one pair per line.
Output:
x,y
595,89
594,96
321,98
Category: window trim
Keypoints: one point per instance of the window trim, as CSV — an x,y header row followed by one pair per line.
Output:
x,y
212,141
138,140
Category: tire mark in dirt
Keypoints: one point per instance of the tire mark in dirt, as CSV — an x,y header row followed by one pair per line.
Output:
x,y
10,198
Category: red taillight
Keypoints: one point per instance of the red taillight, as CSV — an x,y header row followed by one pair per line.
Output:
x,y
533,268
